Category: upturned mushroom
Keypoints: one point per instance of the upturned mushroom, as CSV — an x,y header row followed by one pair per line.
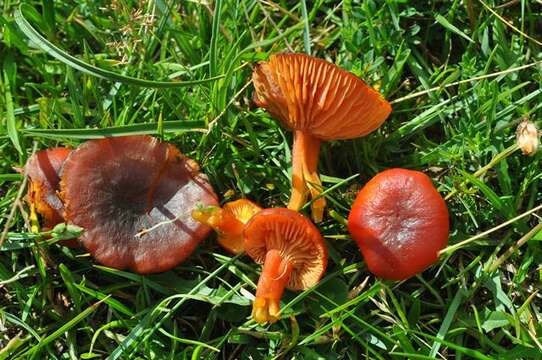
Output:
x,y
319,102
400,222
134,196
43,170
228,222
293,254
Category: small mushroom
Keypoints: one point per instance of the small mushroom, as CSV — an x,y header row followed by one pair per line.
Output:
x,y
293,255
319,102
228,222
43,170
400,222
134,196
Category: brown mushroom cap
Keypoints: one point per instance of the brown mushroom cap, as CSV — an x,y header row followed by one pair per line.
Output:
x,y
43,170
295,237
134,196
315,96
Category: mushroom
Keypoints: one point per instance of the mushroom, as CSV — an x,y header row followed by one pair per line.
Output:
x,y
228,222
293,255
134,196
400,222
319,102
43,170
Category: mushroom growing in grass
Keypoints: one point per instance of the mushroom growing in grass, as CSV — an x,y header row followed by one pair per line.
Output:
x,y
293,255
400,222
319,102
134,197
228,222
43,170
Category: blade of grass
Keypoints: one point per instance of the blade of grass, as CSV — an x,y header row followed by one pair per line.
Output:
x,y
444,22
445,326
10,177
108,299
213,66
188,341
460,244
80,65
9,71
68,325
135,129
306,29
142,327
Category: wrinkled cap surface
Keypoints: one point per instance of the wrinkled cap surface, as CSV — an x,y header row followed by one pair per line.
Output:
x,y
43,170
133,196
399,222
313,95
295,237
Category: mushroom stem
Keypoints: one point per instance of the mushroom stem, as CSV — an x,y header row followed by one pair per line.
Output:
x,y
275,275
224,223
305,178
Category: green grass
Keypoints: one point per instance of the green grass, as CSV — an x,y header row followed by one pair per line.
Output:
x,y
125,67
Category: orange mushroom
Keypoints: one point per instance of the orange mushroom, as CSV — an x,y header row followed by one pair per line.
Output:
x,y
43,170
134,196
293,255
319,102
228,222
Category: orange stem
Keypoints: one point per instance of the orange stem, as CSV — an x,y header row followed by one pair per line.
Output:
x,y
305,178
275,275
299,192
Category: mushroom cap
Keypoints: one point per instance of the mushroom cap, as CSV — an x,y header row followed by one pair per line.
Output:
x,y
134,196
242,209
43,170
309,94
295,237
400,222
228,222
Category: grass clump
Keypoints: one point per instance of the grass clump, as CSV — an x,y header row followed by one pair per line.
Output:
x,y
461,75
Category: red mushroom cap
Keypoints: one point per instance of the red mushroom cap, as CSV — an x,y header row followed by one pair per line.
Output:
x,y
400,222
134,196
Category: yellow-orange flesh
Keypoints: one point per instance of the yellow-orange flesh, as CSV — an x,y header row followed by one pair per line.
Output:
x,y
275,275
305,178
319,102
228,222
43,170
